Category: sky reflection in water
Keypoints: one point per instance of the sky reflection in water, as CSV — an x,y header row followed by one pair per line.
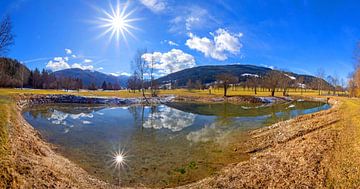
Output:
x,y
165,145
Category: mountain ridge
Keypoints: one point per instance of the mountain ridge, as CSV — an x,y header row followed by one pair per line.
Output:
x,y
207,73
91,76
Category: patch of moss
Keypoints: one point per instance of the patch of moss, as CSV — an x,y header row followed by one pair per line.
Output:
x,y
192,165
181,170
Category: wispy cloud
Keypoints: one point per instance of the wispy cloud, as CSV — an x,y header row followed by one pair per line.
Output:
x,y
155,6
190,18
172,43
37,60
169,42
86,60
68,51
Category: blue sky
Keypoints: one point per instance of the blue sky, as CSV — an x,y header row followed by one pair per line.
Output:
x,y
298,36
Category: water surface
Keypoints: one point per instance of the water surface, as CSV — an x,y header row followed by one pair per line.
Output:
x,y
165,145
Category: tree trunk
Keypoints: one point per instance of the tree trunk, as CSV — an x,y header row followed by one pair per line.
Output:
x,y
255,90
273,92
225,89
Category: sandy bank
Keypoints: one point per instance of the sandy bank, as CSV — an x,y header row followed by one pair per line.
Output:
x,y
286,154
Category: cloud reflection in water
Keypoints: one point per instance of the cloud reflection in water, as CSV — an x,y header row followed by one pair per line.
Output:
x,y
169,118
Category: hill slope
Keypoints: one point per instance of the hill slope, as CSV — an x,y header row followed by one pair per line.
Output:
x,y
207,74
13,73
88,77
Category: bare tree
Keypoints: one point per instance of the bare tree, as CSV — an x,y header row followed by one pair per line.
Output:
x,y
226,79
285,83
335,82
153,85
140,67
189,85
198,84
133,82
300,83
320,74
6,36
253,82
272,80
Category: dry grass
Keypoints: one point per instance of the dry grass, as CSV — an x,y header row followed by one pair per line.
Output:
x,y
290,154
344,164
182,92
319,150
8,175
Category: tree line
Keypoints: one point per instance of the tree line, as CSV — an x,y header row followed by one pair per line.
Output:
x,y
14,74
274,81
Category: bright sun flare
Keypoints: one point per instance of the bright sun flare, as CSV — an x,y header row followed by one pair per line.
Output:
x,y
117,22
119,159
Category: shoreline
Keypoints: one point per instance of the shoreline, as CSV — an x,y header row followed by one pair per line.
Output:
x,y
73,176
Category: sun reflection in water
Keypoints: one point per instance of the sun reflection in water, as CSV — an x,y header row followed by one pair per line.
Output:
x,y
119,159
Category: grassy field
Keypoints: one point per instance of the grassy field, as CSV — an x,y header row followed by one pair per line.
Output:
x,y
183,92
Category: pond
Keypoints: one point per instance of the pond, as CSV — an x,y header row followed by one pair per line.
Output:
x,y
160,146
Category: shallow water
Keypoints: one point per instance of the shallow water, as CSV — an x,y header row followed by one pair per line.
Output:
x,y
164,145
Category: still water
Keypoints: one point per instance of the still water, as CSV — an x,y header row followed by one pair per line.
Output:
x,y
163,145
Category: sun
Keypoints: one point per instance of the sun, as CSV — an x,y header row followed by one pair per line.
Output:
x,y
117,22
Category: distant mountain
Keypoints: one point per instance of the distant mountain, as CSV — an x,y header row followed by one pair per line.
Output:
x,y
88,77
207,74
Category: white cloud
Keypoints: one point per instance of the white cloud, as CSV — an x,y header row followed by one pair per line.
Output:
x,y
58,63
155,6
61,63
86,60
125,74
81,115
217,48
120,73
77,65
58,59
169,118
169,62
68,51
